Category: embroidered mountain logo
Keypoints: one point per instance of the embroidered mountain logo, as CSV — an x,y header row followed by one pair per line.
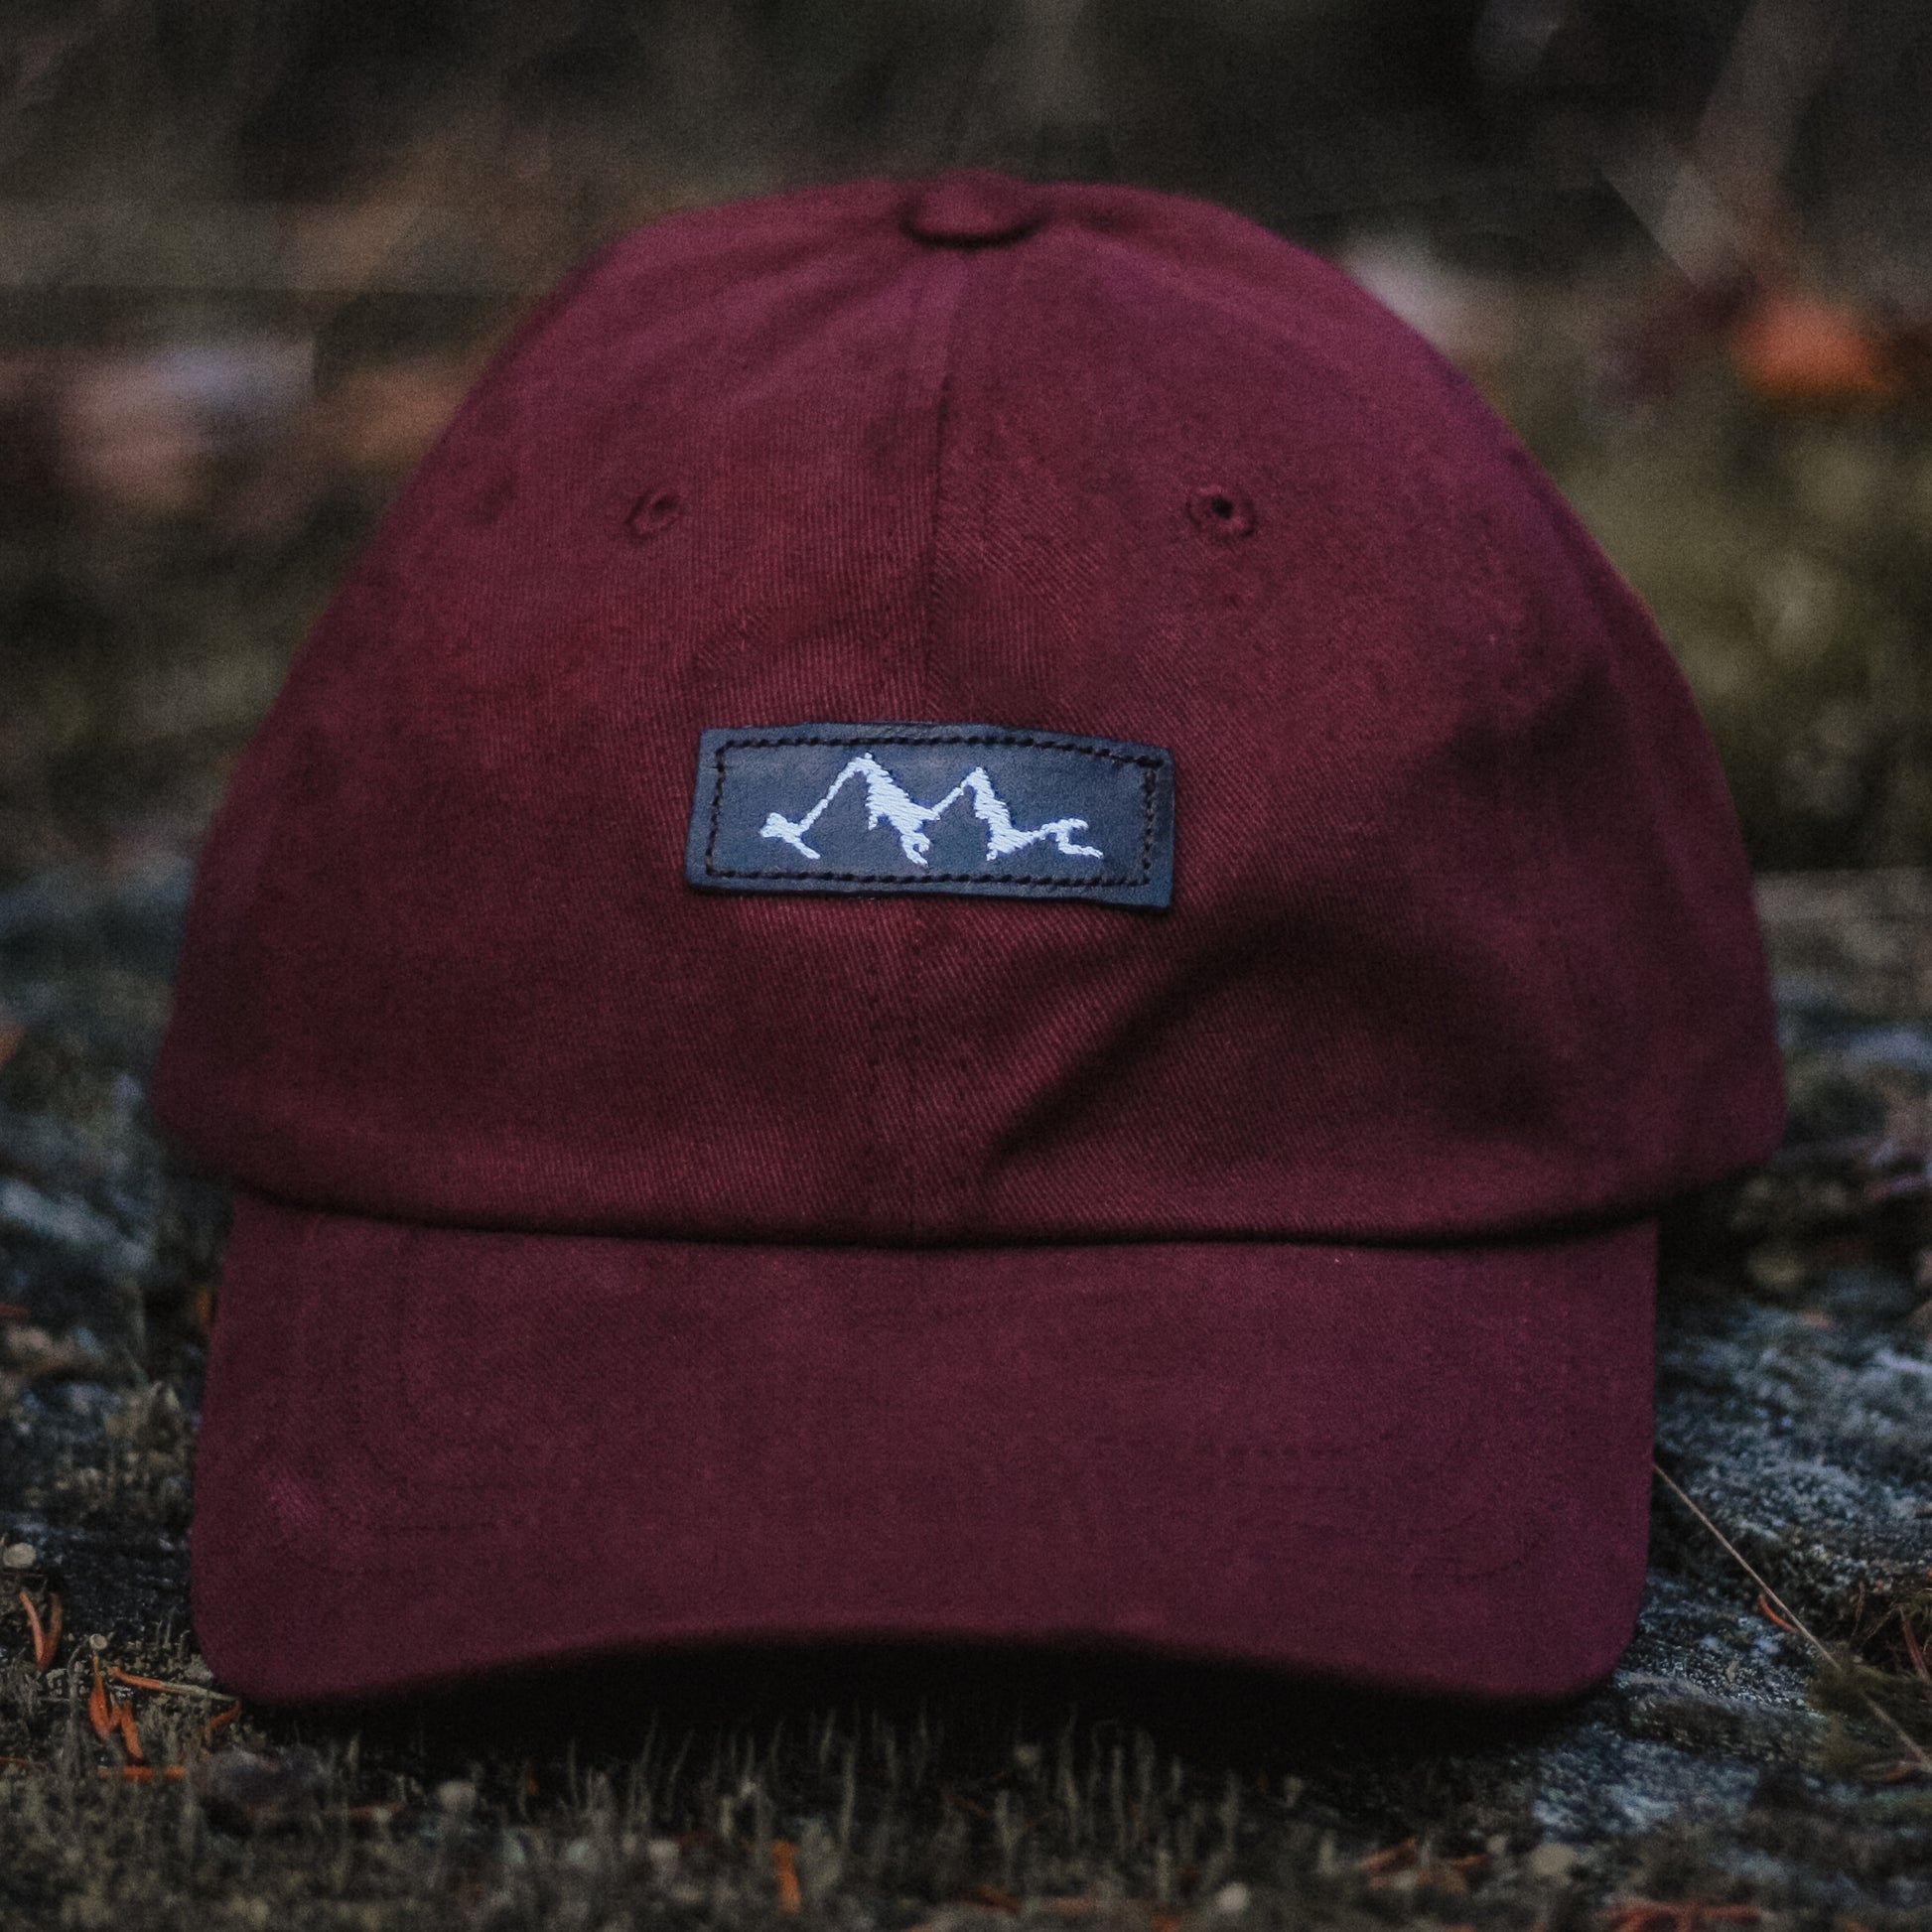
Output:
x,y
971,809
887,799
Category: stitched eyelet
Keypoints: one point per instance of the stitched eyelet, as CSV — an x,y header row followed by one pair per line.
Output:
x,y
655,510
1222,511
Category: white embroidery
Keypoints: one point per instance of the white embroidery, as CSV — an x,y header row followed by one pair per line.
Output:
x,y
886,799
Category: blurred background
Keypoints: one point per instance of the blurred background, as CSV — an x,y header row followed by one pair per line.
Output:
x,y
251,252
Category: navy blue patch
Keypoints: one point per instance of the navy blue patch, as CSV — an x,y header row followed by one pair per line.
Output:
x,y
932,808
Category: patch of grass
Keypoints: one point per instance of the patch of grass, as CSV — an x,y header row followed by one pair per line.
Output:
x,y
1886,1661
878,1821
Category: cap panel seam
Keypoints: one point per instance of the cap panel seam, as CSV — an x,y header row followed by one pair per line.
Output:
x,y
918,1082
892,1072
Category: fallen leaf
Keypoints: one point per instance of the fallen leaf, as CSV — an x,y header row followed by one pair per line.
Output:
x,y
1795,348
992,1895
1676,1915
1404,1865
35,1351
784,1869
1392,1857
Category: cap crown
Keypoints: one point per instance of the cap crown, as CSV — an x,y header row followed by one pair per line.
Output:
x,y
1461,935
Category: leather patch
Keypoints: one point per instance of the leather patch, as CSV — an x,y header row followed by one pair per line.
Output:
x,y
932,808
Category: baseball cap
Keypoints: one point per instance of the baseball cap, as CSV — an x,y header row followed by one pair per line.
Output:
x,y
980,923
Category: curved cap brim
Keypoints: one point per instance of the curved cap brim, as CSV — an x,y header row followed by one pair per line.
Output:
x,y
430,1451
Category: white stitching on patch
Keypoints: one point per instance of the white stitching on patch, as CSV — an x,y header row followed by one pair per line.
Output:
x,y
887,799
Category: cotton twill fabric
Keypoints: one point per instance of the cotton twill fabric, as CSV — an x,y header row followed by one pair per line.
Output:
x,y
432,1450
1461,937
978,1265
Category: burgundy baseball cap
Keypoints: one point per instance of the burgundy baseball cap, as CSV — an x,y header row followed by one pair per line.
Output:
x,y
980,923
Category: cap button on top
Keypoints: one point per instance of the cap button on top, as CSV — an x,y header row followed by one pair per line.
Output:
x,y
974,209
